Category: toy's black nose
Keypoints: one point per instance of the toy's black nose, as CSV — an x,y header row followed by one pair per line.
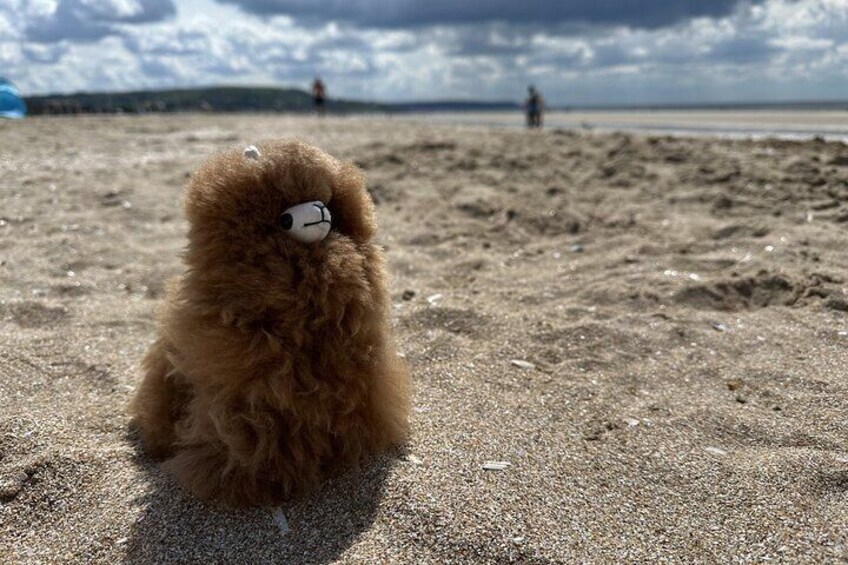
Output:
x,y
286,221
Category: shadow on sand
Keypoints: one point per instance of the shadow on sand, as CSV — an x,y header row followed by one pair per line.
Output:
x,y
175,527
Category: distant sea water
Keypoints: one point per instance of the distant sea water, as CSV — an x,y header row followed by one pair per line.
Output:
x,y
798,124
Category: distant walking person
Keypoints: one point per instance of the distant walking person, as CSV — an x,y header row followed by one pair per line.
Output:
x,y
534,106
319,95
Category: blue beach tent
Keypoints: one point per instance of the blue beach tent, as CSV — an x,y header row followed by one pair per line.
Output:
x,y
11,102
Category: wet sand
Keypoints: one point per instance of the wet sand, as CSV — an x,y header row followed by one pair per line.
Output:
x,y
791,124
650,331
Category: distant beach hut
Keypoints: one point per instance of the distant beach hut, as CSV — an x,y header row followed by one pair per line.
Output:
x,y
11,102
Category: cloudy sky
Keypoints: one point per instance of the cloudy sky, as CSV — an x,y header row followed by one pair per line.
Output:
x,y
576,51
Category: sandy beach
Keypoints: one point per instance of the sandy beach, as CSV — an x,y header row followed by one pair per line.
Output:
x,y
649,332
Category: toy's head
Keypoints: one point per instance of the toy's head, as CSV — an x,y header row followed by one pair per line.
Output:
x,y
269,218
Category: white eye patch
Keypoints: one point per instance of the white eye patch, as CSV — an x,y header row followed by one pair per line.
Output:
x,y
308,222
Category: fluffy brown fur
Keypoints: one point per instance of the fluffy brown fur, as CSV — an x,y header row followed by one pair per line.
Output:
x,y
274,364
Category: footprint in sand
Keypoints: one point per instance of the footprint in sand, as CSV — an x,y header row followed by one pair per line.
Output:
x,y
31,314
453,320
760,291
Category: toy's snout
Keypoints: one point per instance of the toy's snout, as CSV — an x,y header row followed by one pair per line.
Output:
x,y
309,222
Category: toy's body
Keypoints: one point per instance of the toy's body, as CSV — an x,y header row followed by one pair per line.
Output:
x,y
274,365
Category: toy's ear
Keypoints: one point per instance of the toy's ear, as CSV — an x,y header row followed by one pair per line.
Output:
x,y
251,152
351,205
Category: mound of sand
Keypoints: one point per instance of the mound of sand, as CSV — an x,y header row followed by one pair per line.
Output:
x,y
650,332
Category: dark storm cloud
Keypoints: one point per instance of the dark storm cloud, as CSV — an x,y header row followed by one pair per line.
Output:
x,y
488,40
736,49
155,67
179,42
741,50
43,54
86,21
347,42
418,13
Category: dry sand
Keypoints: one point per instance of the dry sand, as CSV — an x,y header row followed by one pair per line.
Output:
x,y
651,331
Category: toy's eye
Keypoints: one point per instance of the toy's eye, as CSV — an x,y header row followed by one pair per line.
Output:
x,y
308,222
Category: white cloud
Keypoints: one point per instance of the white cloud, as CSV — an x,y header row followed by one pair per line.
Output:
x,y
778,49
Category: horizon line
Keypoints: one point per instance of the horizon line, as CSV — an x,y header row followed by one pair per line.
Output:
x,y
703,104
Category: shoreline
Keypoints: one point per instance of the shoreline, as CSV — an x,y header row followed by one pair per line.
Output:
x,y
730,124
793,125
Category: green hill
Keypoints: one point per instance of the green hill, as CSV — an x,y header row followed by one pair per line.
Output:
x,y
217,99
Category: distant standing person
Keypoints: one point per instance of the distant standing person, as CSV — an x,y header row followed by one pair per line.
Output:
x,y
534,107
319,96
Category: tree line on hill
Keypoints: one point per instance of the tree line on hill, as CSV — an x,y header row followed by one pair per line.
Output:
x,y
227,99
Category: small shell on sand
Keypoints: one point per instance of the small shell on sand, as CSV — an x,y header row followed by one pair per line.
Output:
x,y
496,465
433,299
280,520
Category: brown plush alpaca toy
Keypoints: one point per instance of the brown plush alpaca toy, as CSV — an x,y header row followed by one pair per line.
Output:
x,y
274,365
